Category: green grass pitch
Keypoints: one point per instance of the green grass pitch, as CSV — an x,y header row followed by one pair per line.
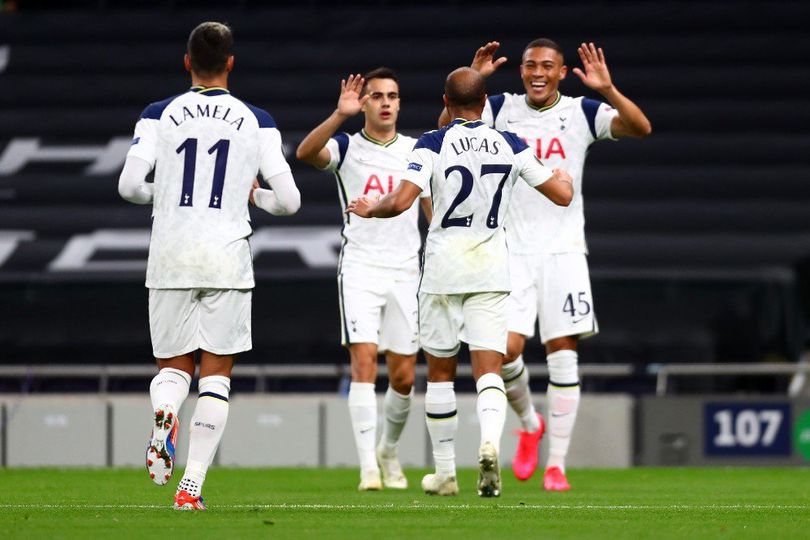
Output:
x,y
321,503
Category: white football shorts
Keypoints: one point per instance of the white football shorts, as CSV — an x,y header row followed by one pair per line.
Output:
x,y
184,320
478,319
557,287
379,306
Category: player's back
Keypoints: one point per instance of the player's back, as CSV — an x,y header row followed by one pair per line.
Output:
x,y
474,169
207,153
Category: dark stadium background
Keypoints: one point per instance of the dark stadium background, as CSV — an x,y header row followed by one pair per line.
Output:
x,y
699,235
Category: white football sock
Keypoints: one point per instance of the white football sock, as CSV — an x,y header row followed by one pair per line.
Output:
x,y
563,403
396,407
441,418
169,386
516,381
491,407
207,426
363,412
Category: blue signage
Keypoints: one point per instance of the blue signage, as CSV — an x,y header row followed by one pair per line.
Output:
x,y
747,429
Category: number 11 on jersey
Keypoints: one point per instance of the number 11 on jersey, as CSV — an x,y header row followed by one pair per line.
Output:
x,y
189,146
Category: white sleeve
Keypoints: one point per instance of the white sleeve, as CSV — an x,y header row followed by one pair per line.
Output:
x,y
271,156
486,115
283,199
337,145
604,119
334,156
420,168
425,193
145,141
599,117
531,169
132,185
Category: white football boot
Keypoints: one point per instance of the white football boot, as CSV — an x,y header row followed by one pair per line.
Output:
x,y
162,444
370,480
440,484
392,474
489,471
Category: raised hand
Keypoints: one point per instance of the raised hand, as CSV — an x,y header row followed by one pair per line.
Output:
x,y
596,75
350,103
483,61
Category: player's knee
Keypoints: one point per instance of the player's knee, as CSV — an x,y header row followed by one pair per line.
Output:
x,y
514,348
564,343
512,355
402,381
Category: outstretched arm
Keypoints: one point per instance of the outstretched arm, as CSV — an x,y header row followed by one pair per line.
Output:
x,y
631,121
391,205
484,62
559,188
312,149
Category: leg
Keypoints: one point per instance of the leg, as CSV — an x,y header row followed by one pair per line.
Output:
x,y
396,406
207,425
563,397
170,385
521,312
398,398
399,337
363,411
168,391
516,380
172,344
567,315
441,418
519,394
485,329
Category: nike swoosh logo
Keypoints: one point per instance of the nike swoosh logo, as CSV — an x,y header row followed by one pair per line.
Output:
x,y
577,321
366,430
557,415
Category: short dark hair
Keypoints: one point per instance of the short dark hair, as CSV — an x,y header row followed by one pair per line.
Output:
x,y
465,87
209,47
543,43
381,72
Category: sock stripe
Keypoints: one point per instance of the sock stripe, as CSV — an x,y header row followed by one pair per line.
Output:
x,y
510,379
563,385
491,388
439,416
213,395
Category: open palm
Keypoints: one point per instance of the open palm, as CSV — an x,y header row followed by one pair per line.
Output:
x,y
350,103
596,75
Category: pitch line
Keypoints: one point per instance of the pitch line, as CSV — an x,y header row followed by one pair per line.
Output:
x,y
417,506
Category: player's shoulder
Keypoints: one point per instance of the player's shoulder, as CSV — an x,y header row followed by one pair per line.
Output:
x,y
406,140
432,140
514,141
584,104
588,109
263,118
154,110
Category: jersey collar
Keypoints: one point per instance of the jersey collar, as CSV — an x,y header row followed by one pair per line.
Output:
x,y
466,123
547,107
209,91
378,142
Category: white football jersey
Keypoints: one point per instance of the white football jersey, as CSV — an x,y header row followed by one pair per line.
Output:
x,y
560,135
365,166
470,169
206,147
